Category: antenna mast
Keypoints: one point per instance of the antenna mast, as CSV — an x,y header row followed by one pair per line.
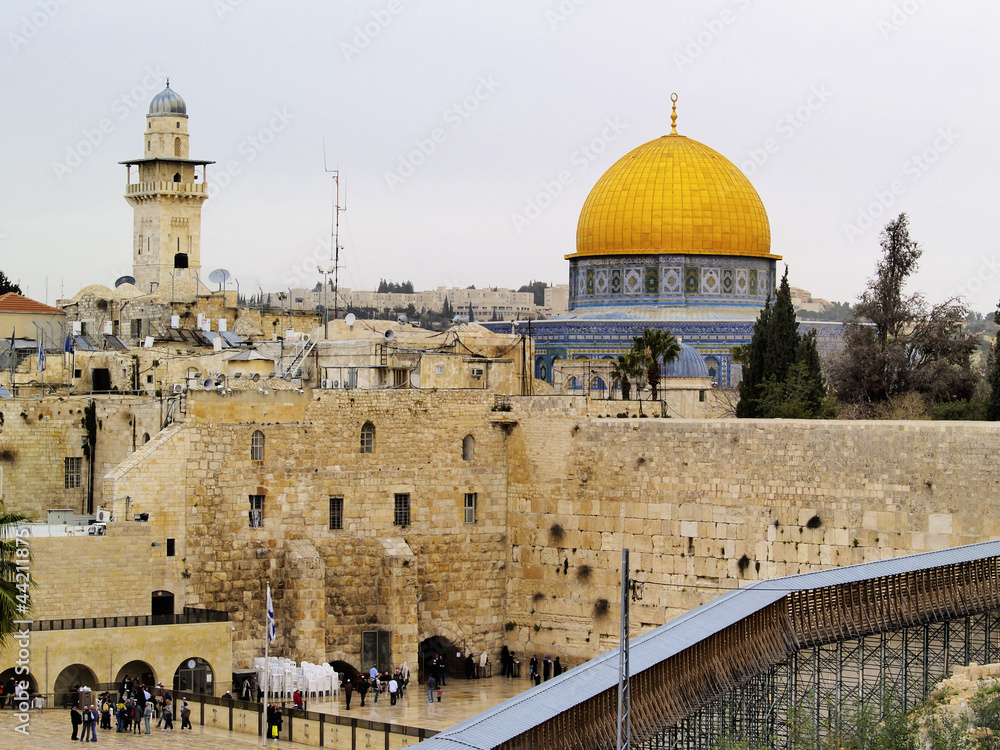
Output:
x,y
335,233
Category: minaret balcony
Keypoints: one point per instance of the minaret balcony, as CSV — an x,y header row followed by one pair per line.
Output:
x,y
159,187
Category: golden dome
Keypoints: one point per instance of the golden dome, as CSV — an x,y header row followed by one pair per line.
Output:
x,y
673,195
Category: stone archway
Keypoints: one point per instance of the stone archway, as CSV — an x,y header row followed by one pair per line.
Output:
x,y
10,677
69,680
137,670
194,675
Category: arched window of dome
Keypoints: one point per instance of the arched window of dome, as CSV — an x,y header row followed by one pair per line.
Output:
x,y
713,368
573,384
597,384
257,446
468,448
177,177
368,438
177,147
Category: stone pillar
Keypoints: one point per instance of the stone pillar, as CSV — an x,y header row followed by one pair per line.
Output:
x,y
305,601
399,597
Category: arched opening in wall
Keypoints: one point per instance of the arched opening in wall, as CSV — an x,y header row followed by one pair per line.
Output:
x,y
468,448
177,149
713,368
598,387
177,176
367,438
344,668
541,371
194,675
145,438
136,670
69,682
572,384
163,607
440,653
257,446
9,679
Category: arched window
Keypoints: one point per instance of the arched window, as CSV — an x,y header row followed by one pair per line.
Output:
x,y
145,438
177,177
177,146
367,437
468,448
257,446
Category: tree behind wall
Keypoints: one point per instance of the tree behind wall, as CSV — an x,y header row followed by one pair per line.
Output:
x,y
6,285
993,404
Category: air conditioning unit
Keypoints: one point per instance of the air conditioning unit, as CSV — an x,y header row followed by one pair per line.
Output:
x,y
178,388
103,516
324,383
335,384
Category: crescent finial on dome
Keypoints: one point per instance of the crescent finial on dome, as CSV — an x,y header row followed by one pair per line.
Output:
x,y
673,115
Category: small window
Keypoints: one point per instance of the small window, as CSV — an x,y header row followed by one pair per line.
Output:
x,y
177,176
439,369
171,547
177,148
257,446
400,378
336,513
701,396
401,515
74,473
470,507
256,511
468,448
367,438
145,438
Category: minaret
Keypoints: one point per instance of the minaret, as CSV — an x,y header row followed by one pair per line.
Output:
x,y
166,192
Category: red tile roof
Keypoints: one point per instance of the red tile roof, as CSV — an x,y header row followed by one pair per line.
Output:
x,y
12,302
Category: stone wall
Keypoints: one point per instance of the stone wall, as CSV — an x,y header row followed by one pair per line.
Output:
x,y
37,434
703,506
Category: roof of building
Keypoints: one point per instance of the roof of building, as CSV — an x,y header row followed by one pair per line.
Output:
x,y
689,364
167,102
673,195
12,302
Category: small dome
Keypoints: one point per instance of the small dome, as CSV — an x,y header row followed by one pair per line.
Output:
x,y
167,102
689,364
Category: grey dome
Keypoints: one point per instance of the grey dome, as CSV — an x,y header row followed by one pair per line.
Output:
x,y
689,364
167,102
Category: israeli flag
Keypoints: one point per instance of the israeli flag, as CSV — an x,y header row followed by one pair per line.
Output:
x,y
270,616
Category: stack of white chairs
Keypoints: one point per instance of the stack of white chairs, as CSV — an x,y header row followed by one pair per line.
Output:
x,y
285,677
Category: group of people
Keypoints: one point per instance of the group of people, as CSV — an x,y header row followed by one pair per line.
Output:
x,y
132,711
376,683
549,668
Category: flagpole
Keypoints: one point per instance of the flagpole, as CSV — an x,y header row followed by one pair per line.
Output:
x,y
267,666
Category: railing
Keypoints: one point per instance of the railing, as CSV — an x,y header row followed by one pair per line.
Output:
x,y
166,187
309,727
190,616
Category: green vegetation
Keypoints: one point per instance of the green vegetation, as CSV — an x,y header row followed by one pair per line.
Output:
x,y
538,289
390,287
782,375
6,285
15,600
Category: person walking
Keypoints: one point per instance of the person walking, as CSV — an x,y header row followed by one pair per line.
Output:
x,y
432,684
362,688
185,715
92,713
533,668
75,718
377,685
393,690
147,714
349,691
546,668
168,717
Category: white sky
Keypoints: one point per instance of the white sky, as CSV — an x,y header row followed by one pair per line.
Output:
x,y
855,100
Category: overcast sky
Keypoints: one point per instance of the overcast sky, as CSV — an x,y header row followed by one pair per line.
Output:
x,y
468,134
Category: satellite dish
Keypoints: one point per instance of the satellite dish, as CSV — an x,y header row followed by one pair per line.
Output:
x,y
124,280
219,276
349,319
389,335
402,319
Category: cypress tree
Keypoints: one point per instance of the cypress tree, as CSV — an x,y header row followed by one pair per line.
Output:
x,y
993,405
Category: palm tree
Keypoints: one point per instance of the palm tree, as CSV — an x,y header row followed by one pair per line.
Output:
x,y
624,368
654,345
14,600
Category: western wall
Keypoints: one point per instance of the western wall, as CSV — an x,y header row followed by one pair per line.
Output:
x,y
703,505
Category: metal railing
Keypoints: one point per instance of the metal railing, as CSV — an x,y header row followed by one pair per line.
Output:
x,y
190,616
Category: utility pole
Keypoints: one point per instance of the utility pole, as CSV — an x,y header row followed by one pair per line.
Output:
x,y
335,233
